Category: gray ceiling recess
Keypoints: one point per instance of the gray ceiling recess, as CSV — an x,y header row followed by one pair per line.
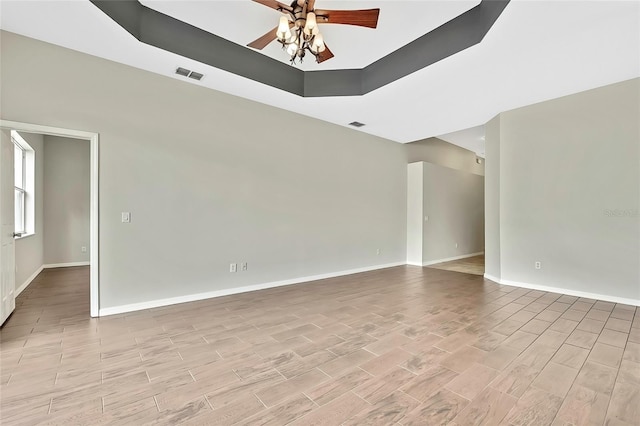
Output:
x,y
170,34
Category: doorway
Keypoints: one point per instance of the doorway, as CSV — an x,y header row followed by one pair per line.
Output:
x,y
7,258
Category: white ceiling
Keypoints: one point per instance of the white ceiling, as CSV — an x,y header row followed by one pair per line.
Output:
x,y
471,139
537,50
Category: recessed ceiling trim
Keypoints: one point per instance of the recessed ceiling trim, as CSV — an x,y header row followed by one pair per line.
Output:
x,y
170,34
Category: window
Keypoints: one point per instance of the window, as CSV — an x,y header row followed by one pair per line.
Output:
x,y
24,178
19,157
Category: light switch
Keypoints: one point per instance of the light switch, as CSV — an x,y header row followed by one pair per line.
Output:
x,y
126,217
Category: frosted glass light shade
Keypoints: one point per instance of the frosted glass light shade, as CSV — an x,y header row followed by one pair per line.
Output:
x,y
311,21
283,25
318,41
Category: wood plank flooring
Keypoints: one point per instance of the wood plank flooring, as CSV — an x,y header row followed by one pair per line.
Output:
x,y
403,346
470,265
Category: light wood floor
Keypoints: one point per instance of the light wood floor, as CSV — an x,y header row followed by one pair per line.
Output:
x,y
471,265
406,345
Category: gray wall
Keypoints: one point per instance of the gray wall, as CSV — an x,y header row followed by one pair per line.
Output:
x,y
66,200
454,203
445,208
415,208
492,200
569,192
437,151
210,178
29,250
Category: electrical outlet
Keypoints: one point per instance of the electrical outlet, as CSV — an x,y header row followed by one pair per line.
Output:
x,y
83,249
456,245
233,267
126,217
244,266
378,251
426,218
538,265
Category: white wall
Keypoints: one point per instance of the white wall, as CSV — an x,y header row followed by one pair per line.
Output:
x,y
210,178
29,250
445,213
569,192
66,200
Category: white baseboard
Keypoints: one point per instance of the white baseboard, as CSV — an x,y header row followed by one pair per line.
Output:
x,y
229,291
569,292
66,265
492,278
28,281
449,259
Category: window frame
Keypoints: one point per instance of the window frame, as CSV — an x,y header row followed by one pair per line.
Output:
x,y
27,190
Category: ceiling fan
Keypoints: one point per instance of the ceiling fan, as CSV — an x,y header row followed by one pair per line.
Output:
x,y
298,30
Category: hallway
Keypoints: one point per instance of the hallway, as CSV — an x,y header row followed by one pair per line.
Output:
x,y
470,265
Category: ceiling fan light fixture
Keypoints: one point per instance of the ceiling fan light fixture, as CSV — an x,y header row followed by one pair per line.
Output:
x,y
283,28
311,21
292,49
318,42
298,29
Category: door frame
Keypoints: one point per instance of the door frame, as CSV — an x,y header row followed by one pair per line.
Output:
x,y
94,224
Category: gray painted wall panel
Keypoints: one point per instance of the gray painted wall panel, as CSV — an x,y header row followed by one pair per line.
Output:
x,y
569,191
454,203
492,249
211,178
66,200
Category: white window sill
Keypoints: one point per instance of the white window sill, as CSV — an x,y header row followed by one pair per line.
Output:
x,y
25,236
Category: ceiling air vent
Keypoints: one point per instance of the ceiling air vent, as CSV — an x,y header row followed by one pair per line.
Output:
x,y
188,73
356,124
183,71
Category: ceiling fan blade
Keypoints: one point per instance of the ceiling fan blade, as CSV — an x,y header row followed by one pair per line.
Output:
x,y
362,18
310,5
325,55
262,42
273,4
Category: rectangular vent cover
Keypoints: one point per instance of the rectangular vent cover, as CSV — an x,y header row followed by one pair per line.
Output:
x,y
183,71
188,73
